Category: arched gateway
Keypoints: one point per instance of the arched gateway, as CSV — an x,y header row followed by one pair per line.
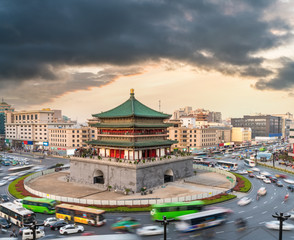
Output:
x,y
168,176
98,177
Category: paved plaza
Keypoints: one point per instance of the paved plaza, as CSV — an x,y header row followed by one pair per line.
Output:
x,y
56,184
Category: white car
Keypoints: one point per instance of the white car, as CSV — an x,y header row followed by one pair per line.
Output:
x,y
285,180
261,191
255,169
267,180
18,202
260,177
244,201
276,225
49,221
71,228
242,172
265,173
150,230
3,182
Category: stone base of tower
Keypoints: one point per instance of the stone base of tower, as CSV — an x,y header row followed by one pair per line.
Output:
x,y
121,176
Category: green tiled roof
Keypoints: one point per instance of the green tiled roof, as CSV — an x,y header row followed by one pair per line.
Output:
x,y
131,125
132,144
131,107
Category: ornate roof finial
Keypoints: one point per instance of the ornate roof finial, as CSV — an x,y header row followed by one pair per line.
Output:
x,y
132,92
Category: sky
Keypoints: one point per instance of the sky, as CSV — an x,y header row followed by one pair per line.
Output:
x,y
83,57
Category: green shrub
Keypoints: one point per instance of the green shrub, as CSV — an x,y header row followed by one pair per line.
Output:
x,y
218,200
12,187
244,181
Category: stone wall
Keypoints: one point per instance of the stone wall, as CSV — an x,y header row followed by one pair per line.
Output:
x,y
123,175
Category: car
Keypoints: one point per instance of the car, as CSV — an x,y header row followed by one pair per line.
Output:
x,y
273,179
58,224
279,184
280,176
276,225
4,198
51,220
244,201
12,178
28,234
255,169
4,223
3,182
249,171
242,172
261,191
18,202
150,230
71,228
289,181
251,175
260,176
264,173
290,187
267,180
125,223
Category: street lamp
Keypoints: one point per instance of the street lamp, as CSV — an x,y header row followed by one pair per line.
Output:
x,y
165,222
33,227
255,157
274,158
281,218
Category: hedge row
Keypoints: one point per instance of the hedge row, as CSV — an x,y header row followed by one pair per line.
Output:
x,y
243,184
16,188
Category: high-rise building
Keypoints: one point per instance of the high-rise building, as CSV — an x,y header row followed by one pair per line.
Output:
x,y
261,125
4,108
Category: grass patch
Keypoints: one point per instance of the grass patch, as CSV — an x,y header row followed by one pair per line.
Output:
x,y
13,189
243,184
124,209
223,198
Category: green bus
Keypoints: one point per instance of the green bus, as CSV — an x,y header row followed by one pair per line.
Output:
x,y
175,210
41,205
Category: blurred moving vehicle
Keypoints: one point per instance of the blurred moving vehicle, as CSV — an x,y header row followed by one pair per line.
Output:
x,y
244,201
260,177
255,169
50,221
125,223
290,187
150,230
3,182
58,224
279,184
261,191
20,231
4,223
18,202
71,228
251,175
242,172
280,176
266,180
276,225
27,234
4,198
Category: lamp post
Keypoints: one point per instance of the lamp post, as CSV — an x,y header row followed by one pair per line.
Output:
x,y
165,222
274,158
255,157
281,218
33,227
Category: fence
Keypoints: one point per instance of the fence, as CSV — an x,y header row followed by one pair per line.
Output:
x,y
125,202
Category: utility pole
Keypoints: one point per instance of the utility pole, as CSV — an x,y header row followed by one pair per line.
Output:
x,y
165,222
281,218
274,158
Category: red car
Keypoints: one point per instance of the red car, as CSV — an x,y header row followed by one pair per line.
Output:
x,y
251,175
281,176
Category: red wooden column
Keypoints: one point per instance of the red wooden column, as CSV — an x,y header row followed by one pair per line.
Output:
x,y
128,154
133,154
146,153
159,152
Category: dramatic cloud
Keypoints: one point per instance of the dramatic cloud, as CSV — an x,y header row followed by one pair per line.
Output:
x,y
39,39
283,81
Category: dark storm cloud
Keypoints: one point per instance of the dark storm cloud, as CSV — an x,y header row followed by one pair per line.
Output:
x,y
283,81
38,39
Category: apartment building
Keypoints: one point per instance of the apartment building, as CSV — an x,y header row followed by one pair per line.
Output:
x,y
190,138
241,135
65,140
29,129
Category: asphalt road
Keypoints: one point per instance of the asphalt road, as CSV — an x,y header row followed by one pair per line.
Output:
x,y
256,213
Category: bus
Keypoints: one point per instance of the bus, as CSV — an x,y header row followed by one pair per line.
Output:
x,y
16,214
41,205
249,162
228,165
201,220
85,215
175,209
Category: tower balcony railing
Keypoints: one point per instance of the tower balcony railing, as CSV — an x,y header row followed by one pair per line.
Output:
x,y
131,134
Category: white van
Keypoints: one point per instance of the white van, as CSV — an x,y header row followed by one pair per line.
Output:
x,y
198,159
27,234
